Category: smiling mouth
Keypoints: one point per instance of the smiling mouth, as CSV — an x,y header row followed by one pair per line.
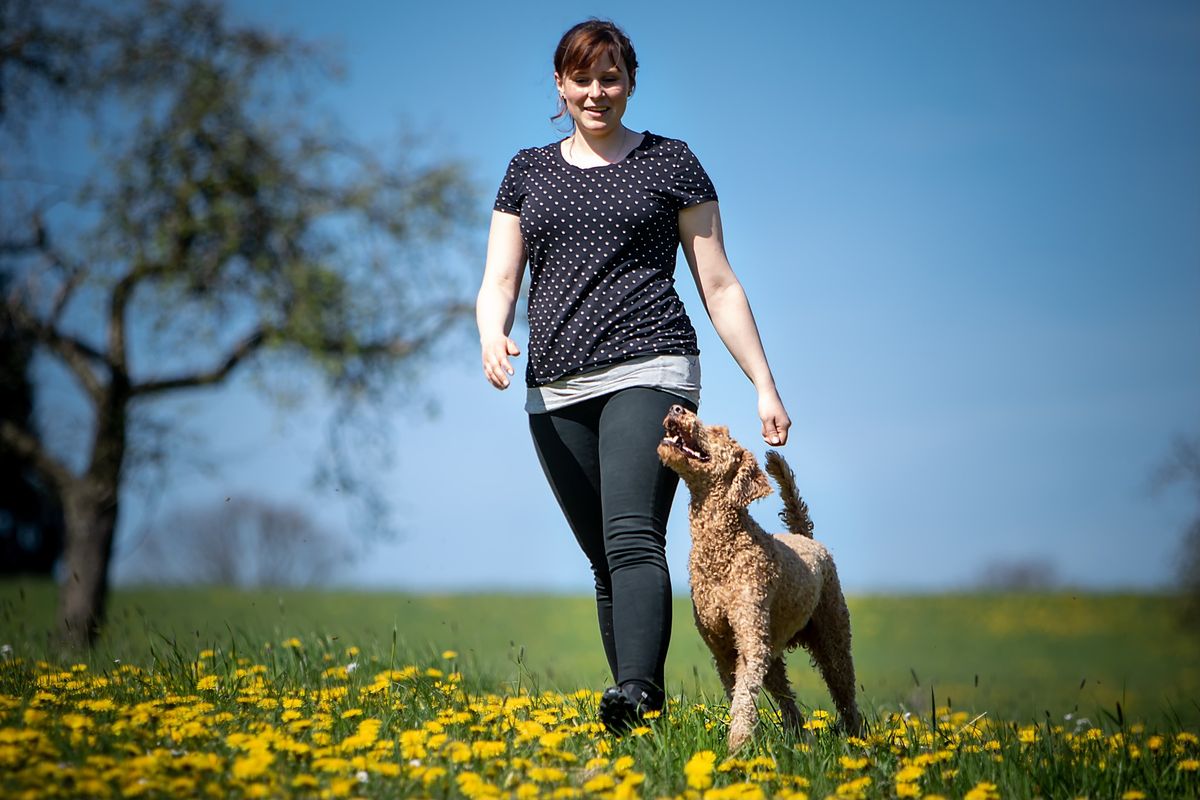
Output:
x,y
679,439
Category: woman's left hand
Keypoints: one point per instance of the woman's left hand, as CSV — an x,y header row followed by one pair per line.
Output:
x,y
775,420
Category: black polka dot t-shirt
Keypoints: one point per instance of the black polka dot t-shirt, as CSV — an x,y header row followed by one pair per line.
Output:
x,y
601,243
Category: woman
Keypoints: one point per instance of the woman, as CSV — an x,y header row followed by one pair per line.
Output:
x,y
599,217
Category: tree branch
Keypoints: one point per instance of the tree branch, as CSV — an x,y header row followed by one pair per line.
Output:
x,y
75,353
241,350
27,447
74,277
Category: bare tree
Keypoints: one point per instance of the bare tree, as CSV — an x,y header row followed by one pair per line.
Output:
x,y
244,541
1182,466
223,230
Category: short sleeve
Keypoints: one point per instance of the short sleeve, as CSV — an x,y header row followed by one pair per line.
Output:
x,y
691,184
511,194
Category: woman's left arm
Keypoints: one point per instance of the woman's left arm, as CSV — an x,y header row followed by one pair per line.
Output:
x,y
727,307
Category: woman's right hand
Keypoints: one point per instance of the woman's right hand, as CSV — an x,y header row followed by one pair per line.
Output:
x,y
496,366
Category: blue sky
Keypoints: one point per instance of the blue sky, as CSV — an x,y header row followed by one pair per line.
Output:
x,y
970,234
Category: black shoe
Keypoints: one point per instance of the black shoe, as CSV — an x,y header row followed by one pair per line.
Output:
x,y
619,712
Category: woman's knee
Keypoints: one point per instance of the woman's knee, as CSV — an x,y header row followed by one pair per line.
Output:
x,y
635,548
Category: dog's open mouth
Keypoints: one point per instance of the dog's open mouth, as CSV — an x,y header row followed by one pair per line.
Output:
x,y
681,440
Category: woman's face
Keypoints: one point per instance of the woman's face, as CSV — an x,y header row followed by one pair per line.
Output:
x,y
596,95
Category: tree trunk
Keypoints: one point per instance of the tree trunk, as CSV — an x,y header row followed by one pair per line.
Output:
x,y
91,517
90,506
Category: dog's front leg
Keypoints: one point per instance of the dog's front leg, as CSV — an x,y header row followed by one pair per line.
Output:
x,y
751,622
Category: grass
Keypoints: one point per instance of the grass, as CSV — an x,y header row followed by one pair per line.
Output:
x,y
225,693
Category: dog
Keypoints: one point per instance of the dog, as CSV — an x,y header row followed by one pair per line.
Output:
x,y
754,595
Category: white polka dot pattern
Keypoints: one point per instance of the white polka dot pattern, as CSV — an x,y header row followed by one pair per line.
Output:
x,y
601,244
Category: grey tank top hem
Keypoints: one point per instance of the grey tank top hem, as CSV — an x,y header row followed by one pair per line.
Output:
x,y
677,374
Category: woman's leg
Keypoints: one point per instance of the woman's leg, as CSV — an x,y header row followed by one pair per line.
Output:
x,y
636,493
567,445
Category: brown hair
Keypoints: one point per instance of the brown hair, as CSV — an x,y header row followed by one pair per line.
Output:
x,y
585,43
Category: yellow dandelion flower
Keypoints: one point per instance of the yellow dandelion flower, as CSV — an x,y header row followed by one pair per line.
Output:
x,y
207,683
907,789
1189,765
364,736
75,721
547,775
487,749
457,752
412,744
475,787
983,791
342,787
852,763
852,790
699,769
622,765
449,655
293,643
743,790
1134,794
600,783
909,774
552,741
253,766
627,789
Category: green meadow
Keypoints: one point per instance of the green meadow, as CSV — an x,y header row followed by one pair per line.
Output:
x,y
1013,656
226,694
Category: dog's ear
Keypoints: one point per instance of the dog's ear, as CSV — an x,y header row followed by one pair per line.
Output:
x,y
749,482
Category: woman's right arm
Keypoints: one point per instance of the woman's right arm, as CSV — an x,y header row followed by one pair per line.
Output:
x,y
496,304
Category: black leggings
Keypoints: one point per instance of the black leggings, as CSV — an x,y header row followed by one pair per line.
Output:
x,y
600,458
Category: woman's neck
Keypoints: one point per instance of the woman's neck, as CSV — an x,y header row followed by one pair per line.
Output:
x,y
589,147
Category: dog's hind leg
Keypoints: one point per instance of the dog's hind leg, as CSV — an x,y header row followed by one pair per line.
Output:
x,y
827,639
776,682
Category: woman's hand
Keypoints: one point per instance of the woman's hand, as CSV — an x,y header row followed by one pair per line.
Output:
x,y
497,300
775,420
496,366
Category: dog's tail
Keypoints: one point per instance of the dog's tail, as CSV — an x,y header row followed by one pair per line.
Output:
x,y
795,510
